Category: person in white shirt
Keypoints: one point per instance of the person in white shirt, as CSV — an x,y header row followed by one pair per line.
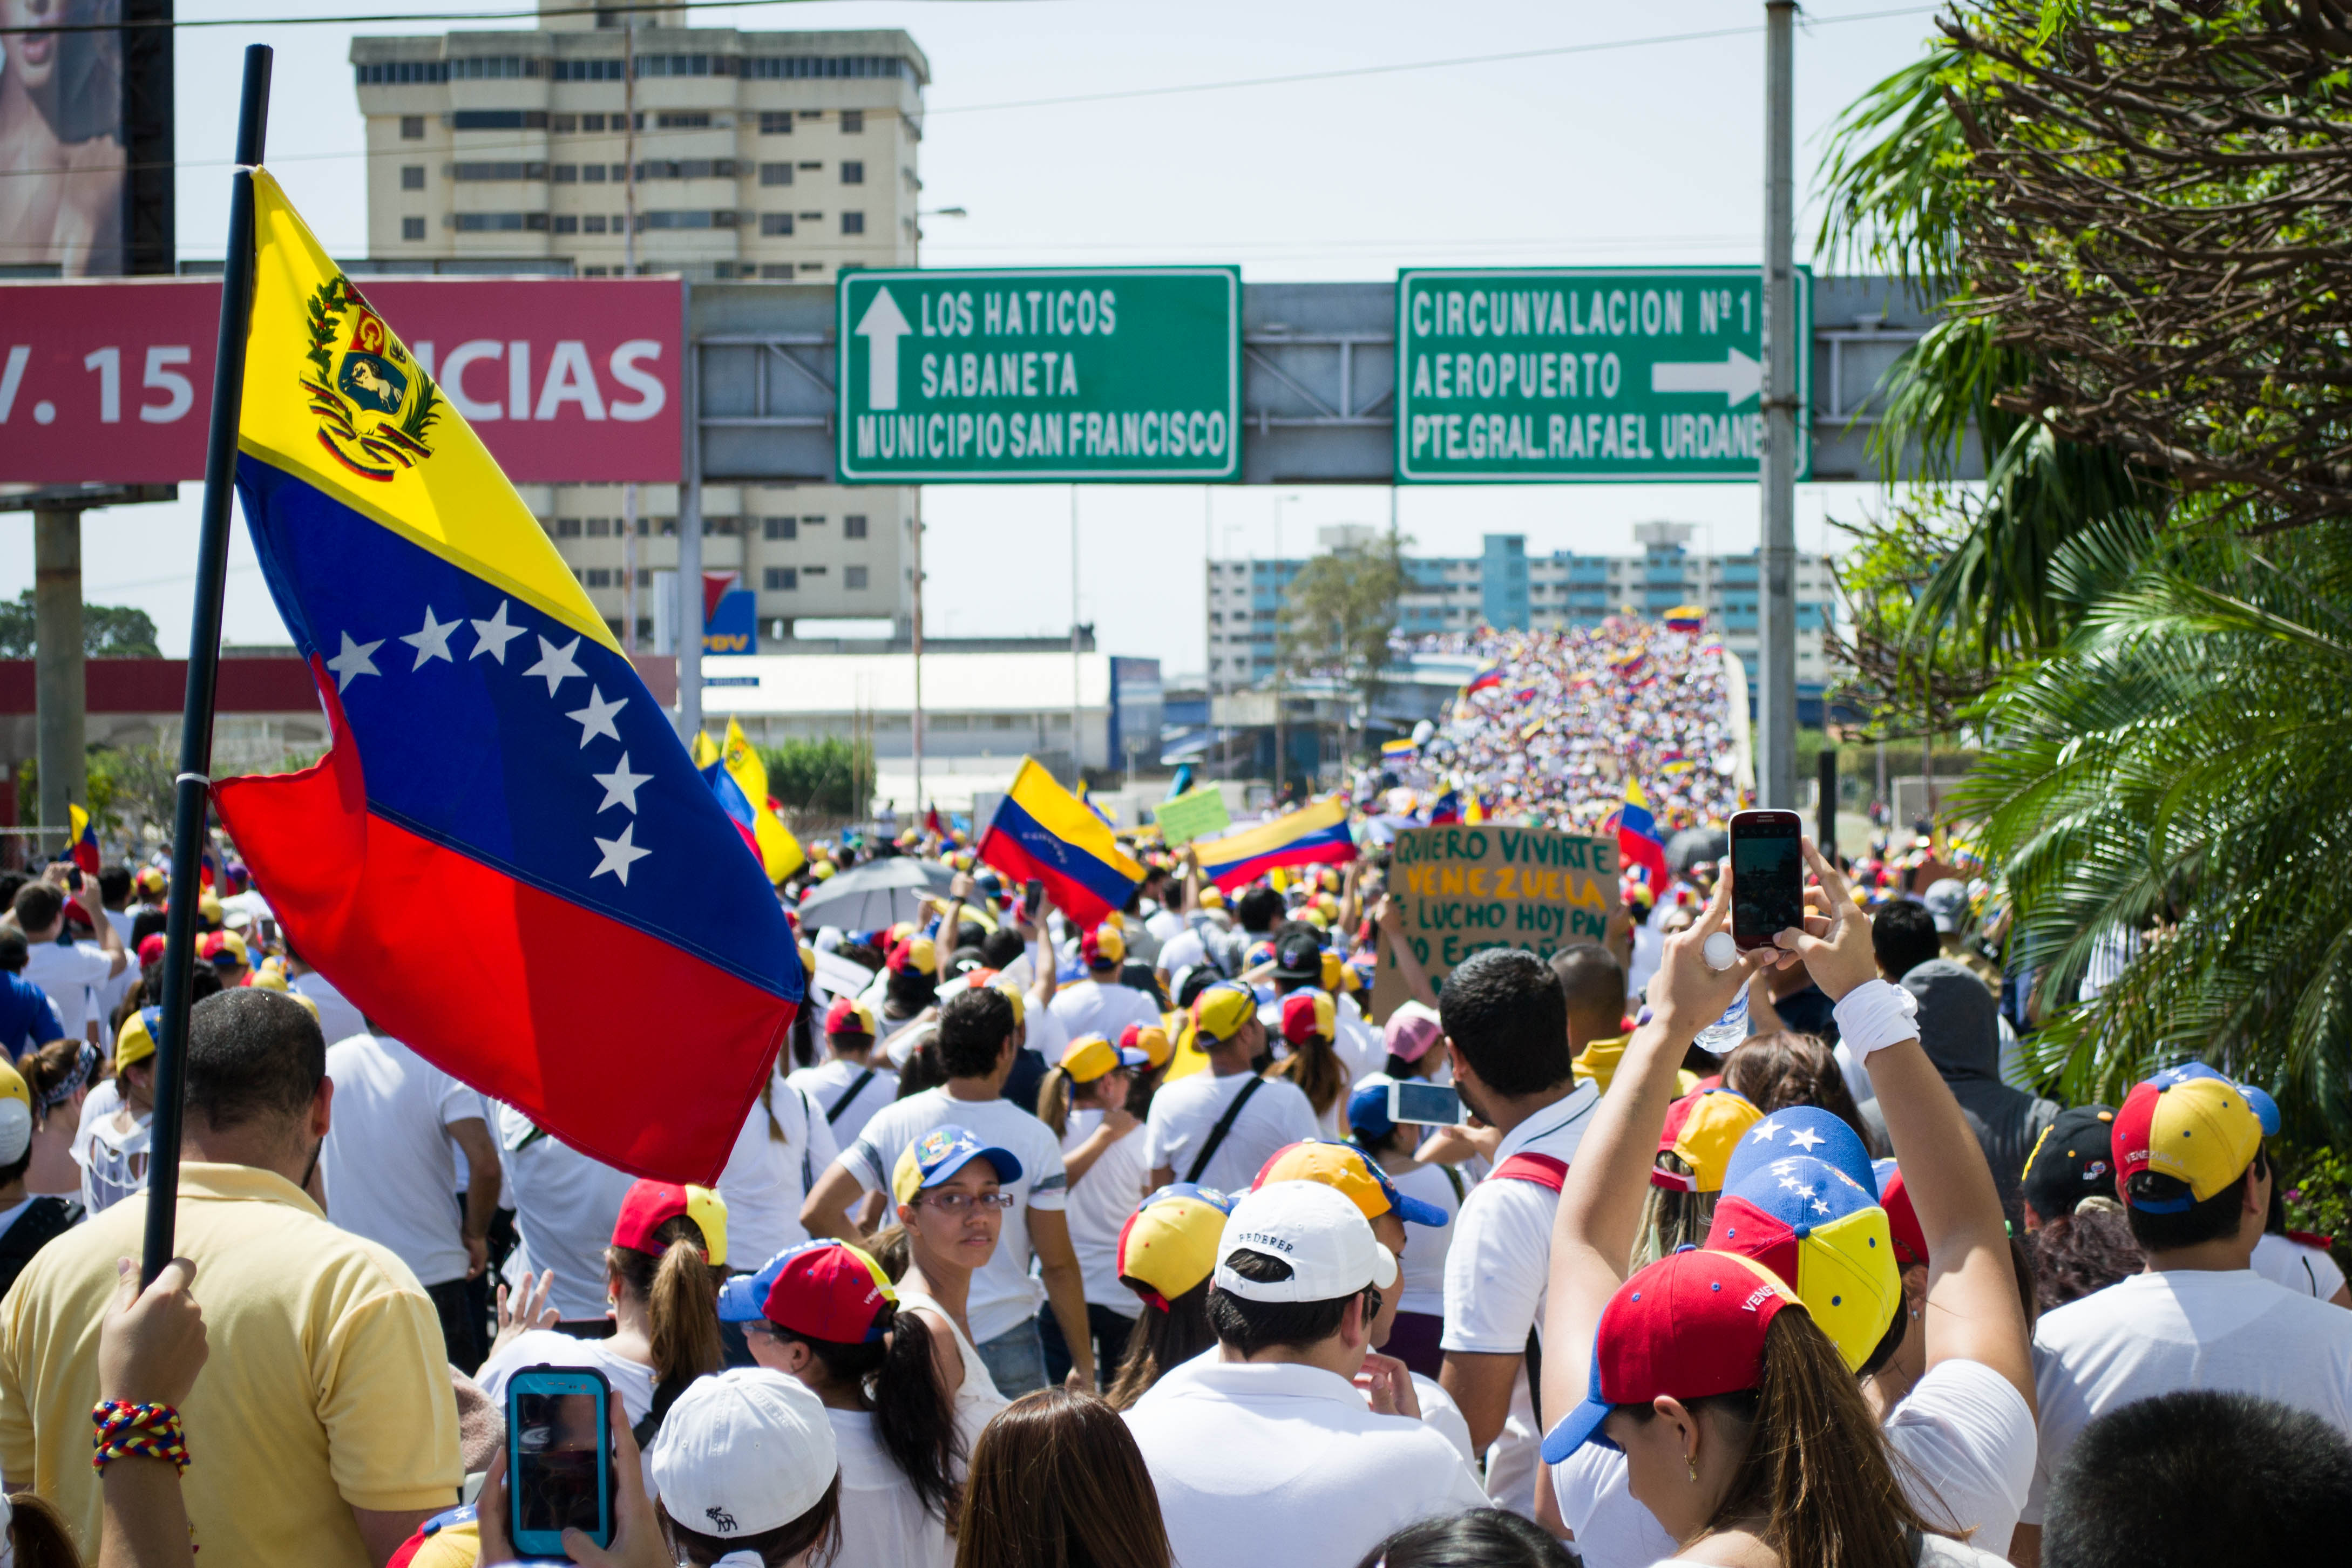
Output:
x,y
1265,1450
1083,1101
977,1043
69,973
112,1144
785,1141
566,1204
1507,1035
849,1086
392,1174
339,1018
1420,1298
1200,1129
1099,1004
2303,1267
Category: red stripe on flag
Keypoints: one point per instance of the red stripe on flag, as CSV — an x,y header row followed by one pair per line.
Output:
x,y
1071,896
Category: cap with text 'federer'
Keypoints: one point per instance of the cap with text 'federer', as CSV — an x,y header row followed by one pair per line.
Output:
x,y
1824,1234
2188,1123
1317,1231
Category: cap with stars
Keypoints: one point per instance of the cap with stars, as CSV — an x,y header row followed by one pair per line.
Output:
x,y
1823,1232
1802,1130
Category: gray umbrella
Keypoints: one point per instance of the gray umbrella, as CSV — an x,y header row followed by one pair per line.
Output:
x,y
872,896
1692,845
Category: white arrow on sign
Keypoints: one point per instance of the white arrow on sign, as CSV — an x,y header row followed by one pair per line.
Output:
x,y
1737,377
882,326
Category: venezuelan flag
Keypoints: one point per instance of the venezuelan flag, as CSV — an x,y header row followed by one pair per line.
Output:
x,y
1489,675
1316,835
83,833
735,803
1041,832
1448,808
1687,618
1395,750
779,852
1637,835
602,954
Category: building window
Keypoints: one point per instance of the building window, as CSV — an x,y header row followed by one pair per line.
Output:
x,y
567,225
774,224
780,579
592,122
404,73
498,171
853,577
600,577
411,176
593,224
686,220
853,121
567,528
564,174
587,71
853,172
498,119
779,528
412,128
776,123
499,223
853,527
722,525
412,229
772,270
853,223
600,527
564,124
775,173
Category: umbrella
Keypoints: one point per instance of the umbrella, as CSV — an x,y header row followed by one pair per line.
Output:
x,y
872,896
1692,845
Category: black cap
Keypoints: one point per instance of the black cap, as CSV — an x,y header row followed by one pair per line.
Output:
x,y
2074,1160
1299,953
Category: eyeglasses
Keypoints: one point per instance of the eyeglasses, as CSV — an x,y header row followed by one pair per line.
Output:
x,y
960,1203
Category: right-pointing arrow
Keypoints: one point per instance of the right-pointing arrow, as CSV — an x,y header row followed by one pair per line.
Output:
x,y
1737,377
882,326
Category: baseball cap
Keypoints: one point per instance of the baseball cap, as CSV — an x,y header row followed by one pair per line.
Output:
x,y
1309,1015
650,1205
1802,1130
1103,948
1368,1107
15,1115
2072,1160
150,879
1020,1004
742,1452
1335,971
849,1016
1704,1129
1947,904
1151,1040
2266,1109
1410,1030
222,947
1902,1219
937,1155
1220,1011
151,948
1317,1231
1690,1325
1090,1056
2188,1123
1298,956
1169,1244
136,1042
914,955
1347,1169
1824,1232
1213,898
826,1290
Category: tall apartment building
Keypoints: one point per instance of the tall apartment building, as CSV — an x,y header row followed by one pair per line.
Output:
x,y
755,156
1502,586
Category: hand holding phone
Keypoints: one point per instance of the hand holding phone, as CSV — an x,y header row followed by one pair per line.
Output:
x,y
559,1462
1429,1104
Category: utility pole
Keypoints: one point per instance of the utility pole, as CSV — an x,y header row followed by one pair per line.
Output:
x,y
1777,641
1077,747
59,682
1281,675
918,724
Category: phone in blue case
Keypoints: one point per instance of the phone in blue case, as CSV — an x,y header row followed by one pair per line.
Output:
x,y
558,1457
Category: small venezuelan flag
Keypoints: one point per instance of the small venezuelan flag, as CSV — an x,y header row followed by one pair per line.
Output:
x,y
84,834
1041,832
1316,835
1637,834
779,852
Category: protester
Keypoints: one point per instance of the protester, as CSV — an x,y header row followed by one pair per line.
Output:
x,y
1167,1253
1083,1100
849,1085
27,1020
1483,1538
1101,1004
112,1144
69,973
1702,1130
28,1223
1779,1069
338,1019
1215,1128
392,1174
321,1459
784,1143
1960,1030
1420,1326
1057,1481
1270,1443
565,1205
951,1204
1310,1024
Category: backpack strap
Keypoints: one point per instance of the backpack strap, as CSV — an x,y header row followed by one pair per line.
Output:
x,y
856,1087
1543,1170
1225,1125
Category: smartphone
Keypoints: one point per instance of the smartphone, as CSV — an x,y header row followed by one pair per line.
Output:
x,y
558,1457
1433,1104
1768,876
1032,899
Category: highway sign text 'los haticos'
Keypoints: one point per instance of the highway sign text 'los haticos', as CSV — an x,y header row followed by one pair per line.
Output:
x,y
1575,373
1039,375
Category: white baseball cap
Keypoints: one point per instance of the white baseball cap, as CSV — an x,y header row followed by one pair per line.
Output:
x,y
1315,1228
744,1451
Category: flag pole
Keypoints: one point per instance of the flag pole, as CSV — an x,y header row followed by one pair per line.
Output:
x,y
192,789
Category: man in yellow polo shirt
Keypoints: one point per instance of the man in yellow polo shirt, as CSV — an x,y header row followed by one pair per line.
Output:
x,y
323,1430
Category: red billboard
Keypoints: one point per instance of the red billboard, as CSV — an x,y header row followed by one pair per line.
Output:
x,y
567,380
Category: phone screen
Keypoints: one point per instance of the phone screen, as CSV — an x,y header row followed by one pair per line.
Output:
x,y
1768,876
559,1447
1032,898
1438,1104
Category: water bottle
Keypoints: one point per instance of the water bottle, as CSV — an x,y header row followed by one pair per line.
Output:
x,y
1732,1027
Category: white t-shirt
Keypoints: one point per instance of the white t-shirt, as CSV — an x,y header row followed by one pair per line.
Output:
x,y
1184,1113
2231,1330
565,1203
390,1168
1967,1436
2305,1270
1104,1008
1423,1266
767,1178
1935,1551
882,1524
1002,1293
1165,924
338,1017
1183,951
1099,1204
1597,1504
113,1163
1284,1463
1444,1417
826,1082
67,975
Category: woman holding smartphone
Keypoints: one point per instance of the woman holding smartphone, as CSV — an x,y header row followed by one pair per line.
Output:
x,y
1390,1144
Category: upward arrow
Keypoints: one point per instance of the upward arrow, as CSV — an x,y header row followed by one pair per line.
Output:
x,y
882,326
1737,377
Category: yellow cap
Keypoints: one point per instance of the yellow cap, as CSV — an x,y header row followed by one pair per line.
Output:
x,y
15,1115
135,1041
1220,1011
1170,1246
1020,1005
1090,1056
1213,898
1150,1038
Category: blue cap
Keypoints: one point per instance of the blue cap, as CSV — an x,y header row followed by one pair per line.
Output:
x,y
1222,1202
2266,1109
1368,1109
937,1155
1802,1130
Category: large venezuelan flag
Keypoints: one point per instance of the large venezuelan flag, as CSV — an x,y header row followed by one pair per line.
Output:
x,y
1041,832
1316,836
505,857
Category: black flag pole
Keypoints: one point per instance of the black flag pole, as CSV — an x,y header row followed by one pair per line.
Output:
x,y
192,790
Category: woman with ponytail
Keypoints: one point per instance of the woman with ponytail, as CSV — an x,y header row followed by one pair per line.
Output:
x,y
1085,1099
1166,1253
1310,1021
825,1313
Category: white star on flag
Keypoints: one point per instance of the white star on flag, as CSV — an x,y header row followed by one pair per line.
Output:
x,y
555,664
1804,1192
494,634
1819,1207
1767,1131
1807,1139
431,641
353,661
620,786
620,854
597,718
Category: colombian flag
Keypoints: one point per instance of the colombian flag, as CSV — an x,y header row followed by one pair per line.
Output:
x,y
1637,835
84,836
779,852
601,955
1317,835
1043,832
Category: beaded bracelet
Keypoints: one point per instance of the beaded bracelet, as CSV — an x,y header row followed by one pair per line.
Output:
x,y
151,1431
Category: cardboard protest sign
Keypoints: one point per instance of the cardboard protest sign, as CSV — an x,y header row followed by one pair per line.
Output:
x,y
1461,888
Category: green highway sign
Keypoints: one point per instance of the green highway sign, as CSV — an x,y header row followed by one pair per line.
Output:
x,y
1593,374
1039,375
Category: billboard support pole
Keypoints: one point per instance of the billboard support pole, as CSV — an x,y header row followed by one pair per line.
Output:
x,y
1776,652
59,682
192,789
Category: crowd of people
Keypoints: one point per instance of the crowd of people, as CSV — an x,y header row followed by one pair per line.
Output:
x,y
1144,1243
